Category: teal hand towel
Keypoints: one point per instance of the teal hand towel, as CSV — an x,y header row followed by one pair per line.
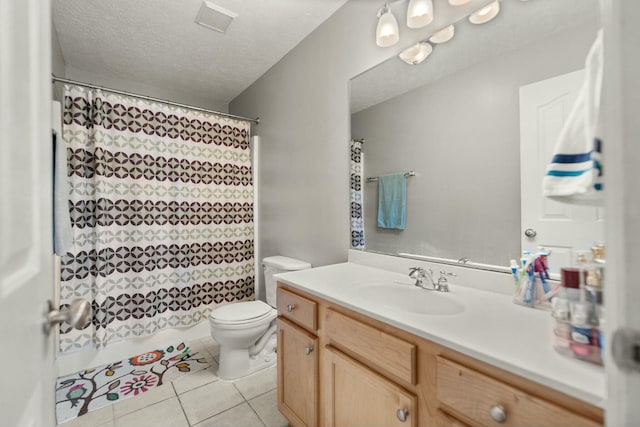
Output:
x,y
392,201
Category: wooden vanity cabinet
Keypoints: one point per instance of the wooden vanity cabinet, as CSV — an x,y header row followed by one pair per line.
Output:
x,y
363,372
360,397
297,361
489,402
442,419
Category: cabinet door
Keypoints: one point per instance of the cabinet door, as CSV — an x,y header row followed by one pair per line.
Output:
x,y
443,419
357,396
297,374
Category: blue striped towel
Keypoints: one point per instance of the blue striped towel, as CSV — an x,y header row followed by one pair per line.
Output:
x,y
575,172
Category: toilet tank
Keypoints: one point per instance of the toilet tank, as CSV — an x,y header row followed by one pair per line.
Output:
x,y
278,264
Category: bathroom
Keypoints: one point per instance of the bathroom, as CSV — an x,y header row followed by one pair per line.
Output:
x,y
300,159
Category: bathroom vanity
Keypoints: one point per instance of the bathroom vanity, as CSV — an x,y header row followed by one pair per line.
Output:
x,y
362,346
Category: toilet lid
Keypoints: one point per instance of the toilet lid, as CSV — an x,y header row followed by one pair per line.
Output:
x,y
241,311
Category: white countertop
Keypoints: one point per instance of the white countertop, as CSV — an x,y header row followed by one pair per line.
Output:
x,y
491,328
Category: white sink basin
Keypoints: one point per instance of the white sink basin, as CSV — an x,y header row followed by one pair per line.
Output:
x,y
409,298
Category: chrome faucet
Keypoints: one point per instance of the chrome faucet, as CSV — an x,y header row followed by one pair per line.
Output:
x,y
419,274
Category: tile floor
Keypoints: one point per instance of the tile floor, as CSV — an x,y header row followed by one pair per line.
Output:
x,y
198,399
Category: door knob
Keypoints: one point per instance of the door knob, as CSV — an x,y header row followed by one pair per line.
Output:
x,y
530,232
308,350
77,314
290,307
498,414
402,415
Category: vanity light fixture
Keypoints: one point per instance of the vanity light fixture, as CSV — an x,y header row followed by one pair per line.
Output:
x,y
443,35
458,2
485,14
419,13
387,32
416,54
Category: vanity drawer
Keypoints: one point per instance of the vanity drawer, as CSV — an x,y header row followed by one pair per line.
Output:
x,y
378,349
473,395
299,309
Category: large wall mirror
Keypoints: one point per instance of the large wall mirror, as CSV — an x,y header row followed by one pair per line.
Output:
x,y
455,121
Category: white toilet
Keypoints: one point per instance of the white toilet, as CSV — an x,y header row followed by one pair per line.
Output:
x,y
246,331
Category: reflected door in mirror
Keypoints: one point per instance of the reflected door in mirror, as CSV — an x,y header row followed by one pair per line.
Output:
x,y
560,227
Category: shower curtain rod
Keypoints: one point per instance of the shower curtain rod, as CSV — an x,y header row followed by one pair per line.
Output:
x,y
55,79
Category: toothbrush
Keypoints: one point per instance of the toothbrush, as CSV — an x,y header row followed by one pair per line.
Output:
x,y
523,272
528,295
514,271
527,285
539,267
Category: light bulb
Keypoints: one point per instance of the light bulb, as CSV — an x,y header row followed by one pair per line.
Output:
x,y
485,14
419,13
443,35
387,33
416,54
458,2
484,11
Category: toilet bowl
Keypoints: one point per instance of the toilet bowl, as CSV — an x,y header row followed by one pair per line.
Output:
x,y
246,331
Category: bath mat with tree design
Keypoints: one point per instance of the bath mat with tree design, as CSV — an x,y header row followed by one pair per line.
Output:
x,y
95,388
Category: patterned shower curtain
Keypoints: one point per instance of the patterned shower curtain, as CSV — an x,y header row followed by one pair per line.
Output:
x,y
357,226
161,206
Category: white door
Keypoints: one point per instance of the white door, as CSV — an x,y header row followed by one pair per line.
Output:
x,y
560,227
26,261
621,151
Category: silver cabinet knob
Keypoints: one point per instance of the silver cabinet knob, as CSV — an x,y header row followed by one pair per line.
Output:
x,y
77,314
402,414
308,350
530,232
291,307
498,413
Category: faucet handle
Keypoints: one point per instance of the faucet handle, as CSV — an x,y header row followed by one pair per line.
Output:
x,y
443,283
414,270
418,274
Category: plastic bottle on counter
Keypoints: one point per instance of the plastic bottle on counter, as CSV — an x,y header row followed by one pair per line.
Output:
x,y
570,280
584,336
603,322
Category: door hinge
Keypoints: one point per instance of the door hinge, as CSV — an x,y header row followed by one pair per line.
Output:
x,y
625,348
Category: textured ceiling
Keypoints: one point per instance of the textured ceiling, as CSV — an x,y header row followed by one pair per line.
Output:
x,y
156,42
518,23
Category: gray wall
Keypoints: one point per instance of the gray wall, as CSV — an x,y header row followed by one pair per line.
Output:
x,y
303,105
461,135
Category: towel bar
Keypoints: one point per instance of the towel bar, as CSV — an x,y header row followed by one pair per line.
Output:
x,y
375,178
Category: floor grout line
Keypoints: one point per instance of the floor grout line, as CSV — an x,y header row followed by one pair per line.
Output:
x,y
262,394
180,402
197,387
256,412
143,407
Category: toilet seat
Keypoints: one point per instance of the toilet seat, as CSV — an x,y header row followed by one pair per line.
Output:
x,y
242,315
